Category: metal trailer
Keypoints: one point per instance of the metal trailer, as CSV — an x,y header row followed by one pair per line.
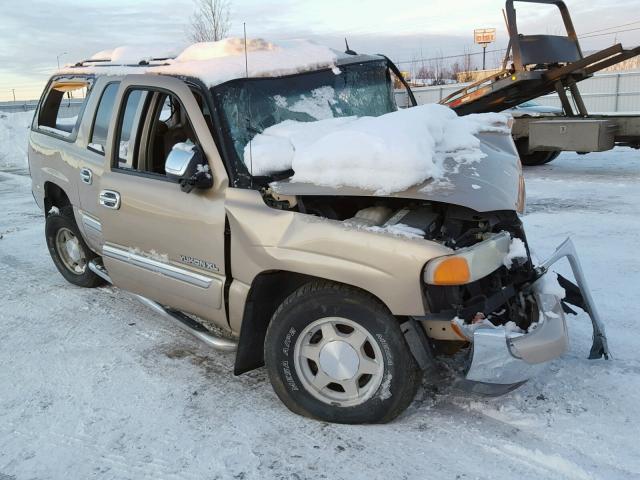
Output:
x,y
536,65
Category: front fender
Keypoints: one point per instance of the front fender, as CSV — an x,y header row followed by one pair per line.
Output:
x,y
387,266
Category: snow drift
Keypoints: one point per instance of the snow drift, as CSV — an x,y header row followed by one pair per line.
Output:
x,y
385,154
14,136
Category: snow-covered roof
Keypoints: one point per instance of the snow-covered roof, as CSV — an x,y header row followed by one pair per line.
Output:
x,y
215,62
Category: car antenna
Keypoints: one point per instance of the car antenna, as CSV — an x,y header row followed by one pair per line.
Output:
x,y
246,71
348,51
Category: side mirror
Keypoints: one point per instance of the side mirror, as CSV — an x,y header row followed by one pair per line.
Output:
x,y
187,166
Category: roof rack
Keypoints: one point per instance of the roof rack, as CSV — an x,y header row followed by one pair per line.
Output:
x,y
107,63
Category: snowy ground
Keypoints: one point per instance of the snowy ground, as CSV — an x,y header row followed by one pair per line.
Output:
x,y
93,385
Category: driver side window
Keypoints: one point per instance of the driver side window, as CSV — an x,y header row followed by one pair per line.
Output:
x,y
152,123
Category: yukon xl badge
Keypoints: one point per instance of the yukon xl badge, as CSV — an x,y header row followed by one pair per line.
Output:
x,y
196,262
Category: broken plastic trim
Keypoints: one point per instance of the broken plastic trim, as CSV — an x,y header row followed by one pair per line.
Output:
x,y
599,347
501,360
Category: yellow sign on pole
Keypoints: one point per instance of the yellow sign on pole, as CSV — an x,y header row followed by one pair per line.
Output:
x,y
484,36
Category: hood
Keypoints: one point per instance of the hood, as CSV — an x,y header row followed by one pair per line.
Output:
x,y
489,184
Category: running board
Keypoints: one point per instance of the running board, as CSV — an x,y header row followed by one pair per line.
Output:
x,y
180,319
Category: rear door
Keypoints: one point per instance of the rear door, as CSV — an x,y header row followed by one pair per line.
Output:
x,y
160,242
92,141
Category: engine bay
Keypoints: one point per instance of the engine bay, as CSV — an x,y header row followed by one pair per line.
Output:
x,y
508,289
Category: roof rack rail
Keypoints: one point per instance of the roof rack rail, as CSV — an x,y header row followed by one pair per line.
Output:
x,y
82,63
107,63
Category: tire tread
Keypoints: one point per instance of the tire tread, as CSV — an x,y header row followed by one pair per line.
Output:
x,y
403,398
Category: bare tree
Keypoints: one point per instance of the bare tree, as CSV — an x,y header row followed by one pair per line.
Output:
x,y
457,71
425,72
467,62
441,68
497,59
210,22
464,73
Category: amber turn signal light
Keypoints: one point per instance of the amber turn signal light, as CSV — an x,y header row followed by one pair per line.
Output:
x,y
452,271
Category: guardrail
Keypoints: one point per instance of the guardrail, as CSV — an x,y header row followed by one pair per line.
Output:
x,y
18,106
604,92
72,106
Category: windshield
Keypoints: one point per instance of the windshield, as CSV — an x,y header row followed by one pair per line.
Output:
x,y
248,106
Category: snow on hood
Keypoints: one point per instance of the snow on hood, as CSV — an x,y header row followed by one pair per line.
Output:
x,y
216,62
483,175
384,154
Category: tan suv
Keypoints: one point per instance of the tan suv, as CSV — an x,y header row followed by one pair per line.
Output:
x,y
139,169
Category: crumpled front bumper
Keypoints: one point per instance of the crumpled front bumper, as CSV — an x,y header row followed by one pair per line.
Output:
x,y
502,361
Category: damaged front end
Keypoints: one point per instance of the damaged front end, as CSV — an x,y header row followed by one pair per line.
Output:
x,y
485,298
509,311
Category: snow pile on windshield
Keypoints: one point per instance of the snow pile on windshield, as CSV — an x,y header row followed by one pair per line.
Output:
x,y
384,154
318,105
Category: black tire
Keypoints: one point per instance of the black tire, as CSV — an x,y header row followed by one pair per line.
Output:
x,y
554,155
321,299
63,219
533,159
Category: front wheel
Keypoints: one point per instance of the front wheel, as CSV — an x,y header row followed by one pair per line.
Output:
x,y
334,353
67,248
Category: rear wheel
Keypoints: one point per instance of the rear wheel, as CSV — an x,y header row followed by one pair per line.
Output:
x,y
554,155
69,252
532,159
336,354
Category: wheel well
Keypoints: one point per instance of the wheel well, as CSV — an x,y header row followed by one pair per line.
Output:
x,y
54,196
268,291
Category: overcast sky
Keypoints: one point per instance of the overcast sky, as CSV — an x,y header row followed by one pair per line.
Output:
x,y
34,32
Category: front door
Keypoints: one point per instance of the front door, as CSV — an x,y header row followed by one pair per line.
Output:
x,y
160,242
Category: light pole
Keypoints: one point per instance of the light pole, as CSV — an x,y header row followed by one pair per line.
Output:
x,y
13,90
484,56
58,58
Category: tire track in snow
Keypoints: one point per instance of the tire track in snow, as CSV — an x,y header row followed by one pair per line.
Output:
x,y
519,442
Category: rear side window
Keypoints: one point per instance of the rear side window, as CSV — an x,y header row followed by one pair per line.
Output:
x,y
100,129
61,109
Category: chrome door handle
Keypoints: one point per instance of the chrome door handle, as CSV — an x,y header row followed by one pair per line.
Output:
x,y
86,176
110,199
